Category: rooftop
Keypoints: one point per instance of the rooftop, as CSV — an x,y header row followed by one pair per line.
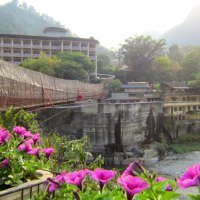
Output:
x,y
177,85
136,85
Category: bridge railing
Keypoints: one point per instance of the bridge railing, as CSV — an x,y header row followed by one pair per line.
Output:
x,y
20,87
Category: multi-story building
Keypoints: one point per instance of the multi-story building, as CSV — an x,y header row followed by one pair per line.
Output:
x,y
180,102
17,48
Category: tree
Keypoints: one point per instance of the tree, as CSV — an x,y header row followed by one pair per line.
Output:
x,y
195,83
103,61
191,65
138,53
175,53
165,69
79,58
66,65
71,70
115,85
42,64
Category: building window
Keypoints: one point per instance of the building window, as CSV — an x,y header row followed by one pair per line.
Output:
x,y
175,108
194,107
180,108
198,107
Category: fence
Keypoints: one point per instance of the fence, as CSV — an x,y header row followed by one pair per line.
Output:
x,y
20,87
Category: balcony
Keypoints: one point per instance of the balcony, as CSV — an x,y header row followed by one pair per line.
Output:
x,y
7,44
36,46
67,47
27,45
17,54
56,47
76,48
17,45
45,46
7,54
35,55
180,103
84,48
92,49
27,55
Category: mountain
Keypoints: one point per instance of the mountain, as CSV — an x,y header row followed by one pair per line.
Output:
x,y
186,33
24,20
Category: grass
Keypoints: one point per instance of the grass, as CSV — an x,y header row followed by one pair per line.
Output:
x,y
187,143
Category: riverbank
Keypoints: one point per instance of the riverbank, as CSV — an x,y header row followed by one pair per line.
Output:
x,y
174,166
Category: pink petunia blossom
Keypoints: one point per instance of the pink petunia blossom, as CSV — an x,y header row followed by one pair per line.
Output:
x,y
53,187
48,151
4,136
103,176
191,177
55,183
5,163
24,147
161,179
34,152
61,178
129,170
132,185
27,134
19,130
30,142
36,138
76,178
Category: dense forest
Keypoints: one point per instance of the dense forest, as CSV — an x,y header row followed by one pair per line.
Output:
x,y
21,19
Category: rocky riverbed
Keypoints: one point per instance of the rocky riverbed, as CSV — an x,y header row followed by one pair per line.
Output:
x,y
174,166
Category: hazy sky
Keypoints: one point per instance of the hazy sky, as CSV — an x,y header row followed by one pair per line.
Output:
x,y
112,21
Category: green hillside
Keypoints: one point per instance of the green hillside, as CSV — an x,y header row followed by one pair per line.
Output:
x,y
21,19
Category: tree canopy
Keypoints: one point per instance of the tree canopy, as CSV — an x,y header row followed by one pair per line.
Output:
x,y
138,53
66,65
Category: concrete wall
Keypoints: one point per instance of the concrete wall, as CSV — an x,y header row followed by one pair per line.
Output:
x,y
101,127
98,121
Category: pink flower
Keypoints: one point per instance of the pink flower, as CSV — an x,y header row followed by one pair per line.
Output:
x,y
53,187
24,147
48,151
30,141
132,185
103,176
5,163
34,152
76,178
61,177
129,170
191,177
4,136
36,138
161,179
27,134
55,184
19,130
